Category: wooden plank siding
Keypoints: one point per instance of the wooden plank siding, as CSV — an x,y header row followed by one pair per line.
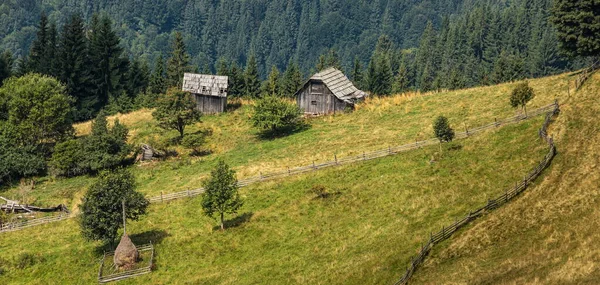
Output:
x,y
210,104
316,98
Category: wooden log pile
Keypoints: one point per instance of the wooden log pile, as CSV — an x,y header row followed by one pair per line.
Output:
x,y
12,206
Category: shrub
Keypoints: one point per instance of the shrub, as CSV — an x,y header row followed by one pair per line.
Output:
x,y
522,94
320,191
274,116
68,159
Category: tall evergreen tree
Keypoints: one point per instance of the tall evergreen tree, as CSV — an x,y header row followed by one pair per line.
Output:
x,y
38,61
292,79
178,63
158,84
401,81
237,85
222,67
6,65
74,67
357,73
108,67
272,87
251,78
51,52
578,26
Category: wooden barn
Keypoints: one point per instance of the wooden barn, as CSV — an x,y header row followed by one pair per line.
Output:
x,y
209,91
326,92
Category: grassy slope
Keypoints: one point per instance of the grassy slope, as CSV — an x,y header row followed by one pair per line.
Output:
x,y
548,236
376,124
364,235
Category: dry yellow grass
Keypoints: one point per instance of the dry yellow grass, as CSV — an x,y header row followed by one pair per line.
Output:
x,y
550,235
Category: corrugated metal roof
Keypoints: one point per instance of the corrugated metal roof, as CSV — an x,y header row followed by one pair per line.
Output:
x,y
339,84
205,84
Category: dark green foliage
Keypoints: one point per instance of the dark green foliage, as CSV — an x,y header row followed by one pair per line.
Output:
x,y
357,74
442,129
292,80
6,65
578,26
401,82
68,159
101,210
221,194
522,94
38,109
275,116
108,67
38,60
158,82
237,85
251,79
175,110
18,160
74,69
178,63
105,147
272,87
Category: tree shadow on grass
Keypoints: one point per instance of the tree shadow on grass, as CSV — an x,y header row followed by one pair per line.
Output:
x,y
236,222
233,105
272,135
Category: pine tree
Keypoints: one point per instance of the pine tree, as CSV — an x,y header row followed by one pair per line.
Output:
x,y
251,78
425,59
108,68
578,26
222,67
333,60
74,67
292,79
6,65
272,86
38,61
322,64
158,84
371,80
178,63
384,76
52,51
237,85
401,81
357,73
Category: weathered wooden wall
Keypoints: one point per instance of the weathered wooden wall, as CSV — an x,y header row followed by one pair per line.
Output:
x,y
316,98
210,104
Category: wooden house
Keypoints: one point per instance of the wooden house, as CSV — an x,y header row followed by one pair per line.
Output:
x,y
209,91
326,92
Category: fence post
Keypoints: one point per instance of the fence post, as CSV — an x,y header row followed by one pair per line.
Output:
x,y
314,167
189,195
496,121
335,156
364,157
466,129
260,175
289,172
161,196
390,149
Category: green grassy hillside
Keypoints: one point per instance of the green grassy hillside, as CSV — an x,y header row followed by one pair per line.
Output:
x,y
550,234
363,234
376,124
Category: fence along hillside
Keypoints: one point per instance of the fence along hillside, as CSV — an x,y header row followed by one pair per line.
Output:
x,y
509,194
304,169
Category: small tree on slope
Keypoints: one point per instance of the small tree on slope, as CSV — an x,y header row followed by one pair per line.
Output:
x,y
522,94
176,109
442,130
221,193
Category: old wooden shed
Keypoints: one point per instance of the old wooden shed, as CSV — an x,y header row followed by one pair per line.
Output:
x,y
326,92
209,91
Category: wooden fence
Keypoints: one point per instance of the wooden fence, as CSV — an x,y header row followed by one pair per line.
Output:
x,y
362,157
129,273
19,225
508,195
304,169
585,74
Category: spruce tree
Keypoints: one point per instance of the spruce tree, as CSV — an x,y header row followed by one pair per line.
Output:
x,y
158,84
6,65
74,67
357,73
251,78
384,75
178,63
401,81
237,86
292,79
222,67
38,61
108,68
272,86
322,63
578,25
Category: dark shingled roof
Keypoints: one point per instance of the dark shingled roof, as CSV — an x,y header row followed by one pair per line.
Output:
x,y
339,85
205,84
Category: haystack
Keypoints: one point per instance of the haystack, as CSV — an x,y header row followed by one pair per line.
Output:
x,y
126,254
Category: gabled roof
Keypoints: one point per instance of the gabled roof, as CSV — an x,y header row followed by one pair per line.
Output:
x,y
339,84
205,84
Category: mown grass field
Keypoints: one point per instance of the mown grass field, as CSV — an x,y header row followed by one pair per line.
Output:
x,y
376,124
364,234
550,234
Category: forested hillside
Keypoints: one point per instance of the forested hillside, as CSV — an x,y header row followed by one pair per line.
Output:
x,y
492,40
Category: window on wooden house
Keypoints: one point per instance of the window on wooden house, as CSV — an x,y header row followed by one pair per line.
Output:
x,y
313,102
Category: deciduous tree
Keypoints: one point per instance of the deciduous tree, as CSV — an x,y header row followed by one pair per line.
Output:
x,y
221,194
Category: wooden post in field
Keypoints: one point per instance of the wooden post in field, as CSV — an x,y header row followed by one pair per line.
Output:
x,y
496,122
161,196
364,157
335,157
314,167
189,195
466,129
260,174
289,172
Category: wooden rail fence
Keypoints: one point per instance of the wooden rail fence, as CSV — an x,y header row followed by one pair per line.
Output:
x,y
126,274
304,169
585,74
362,157
508,195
